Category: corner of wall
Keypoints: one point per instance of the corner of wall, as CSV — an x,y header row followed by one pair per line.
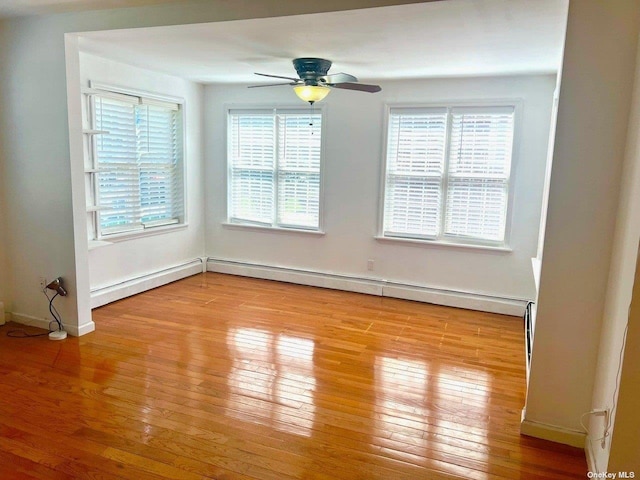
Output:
x,y
592,464
5,271
620,282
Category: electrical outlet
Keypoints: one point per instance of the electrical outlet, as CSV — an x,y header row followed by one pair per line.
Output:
x,y
42,282
370,264
604,413
603,441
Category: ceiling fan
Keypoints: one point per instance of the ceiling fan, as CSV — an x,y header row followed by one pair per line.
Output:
x,y
313,82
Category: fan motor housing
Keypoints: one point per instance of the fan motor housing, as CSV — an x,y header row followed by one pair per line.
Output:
x,y
310,69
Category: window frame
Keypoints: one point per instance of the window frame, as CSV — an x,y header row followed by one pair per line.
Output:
x,y
274,226
97,88
441,239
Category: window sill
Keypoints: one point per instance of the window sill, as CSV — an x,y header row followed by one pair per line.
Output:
x,y
260,228
93,244
437,243
149,232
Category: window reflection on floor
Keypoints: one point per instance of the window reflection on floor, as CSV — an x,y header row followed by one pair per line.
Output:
x,y
401,386
272,380
427,407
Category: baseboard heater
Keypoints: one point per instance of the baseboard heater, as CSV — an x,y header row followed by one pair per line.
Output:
x,y
372,286
528,332
132,286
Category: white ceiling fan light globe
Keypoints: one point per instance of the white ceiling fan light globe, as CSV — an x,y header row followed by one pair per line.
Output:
x,y
311,93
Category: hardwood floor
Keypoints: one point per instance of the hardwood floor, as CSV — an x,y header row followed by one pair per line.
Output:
x,y
226,377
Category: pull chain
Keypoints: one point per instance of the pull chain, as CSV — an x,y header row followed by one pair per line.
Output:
x,y
311,116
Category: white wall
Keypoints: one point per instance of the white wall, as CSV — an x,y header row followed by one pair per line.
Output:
x,y
36,150
36,176
593,110
5,271
125,260
621,280
4,267
625,441
352,169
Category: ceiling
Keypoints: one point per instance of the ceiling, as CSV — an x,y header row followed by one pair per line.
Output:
x,y
435,39
12,8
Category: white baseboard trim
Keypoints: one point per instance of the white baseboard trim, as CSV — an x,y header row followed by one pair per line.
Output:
x,y
83,329
567,436
43,323
104,295
371,286
450,298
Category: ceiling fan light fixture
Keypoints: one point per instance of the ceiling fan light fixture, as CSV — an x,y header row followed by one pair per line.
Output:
x,y
311,93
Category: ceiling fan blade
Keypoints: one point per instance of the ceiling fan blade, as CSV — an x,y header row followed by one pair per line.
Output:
x,y
277,76
272,84
338,78
362,87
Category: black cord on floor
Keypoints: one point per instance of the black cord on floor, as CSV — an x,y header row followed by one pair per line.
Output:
x,y
23,334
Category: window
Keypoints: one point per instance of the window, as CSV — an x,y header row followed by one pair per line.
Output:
x,y
138,163
274,161
447,174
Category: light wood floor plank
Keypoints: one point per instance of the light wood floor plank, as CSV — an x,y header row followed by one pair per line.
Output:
x,y
225,377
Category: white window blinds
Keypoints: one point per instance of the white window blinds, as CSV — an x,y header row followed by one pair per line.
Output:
x,y
251,155
139,163
479,168
415,167
448,172
274,168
